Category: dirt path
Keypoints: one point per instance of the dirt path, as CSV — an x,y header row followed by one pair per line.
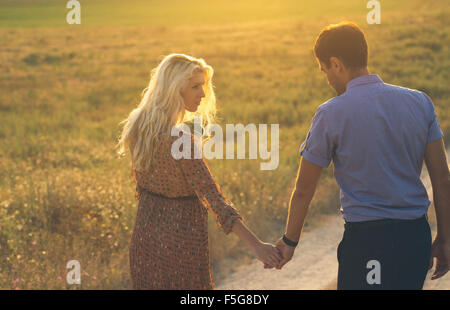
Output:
x,y
314,265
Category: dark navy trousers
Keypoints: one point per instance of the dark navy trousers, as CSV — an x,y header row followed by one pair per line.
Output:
x,y
384,254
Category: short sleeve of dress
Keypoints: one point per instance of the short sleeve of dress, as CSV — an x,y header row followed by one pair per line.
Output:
x,y
199,177
136,194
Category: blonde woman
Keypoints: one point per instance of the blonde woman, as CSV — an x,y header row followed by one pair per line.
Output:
x,y
169,244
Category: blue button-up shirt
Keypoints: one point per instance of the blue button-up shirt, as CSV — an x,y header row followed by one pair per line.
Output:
x,y
376,134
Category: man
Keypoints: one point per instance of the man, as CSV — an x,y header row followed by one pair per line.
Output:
x,y
377,136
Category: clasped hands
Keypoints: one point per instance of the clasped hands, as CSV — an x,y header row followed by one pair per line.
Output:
x,y
274,256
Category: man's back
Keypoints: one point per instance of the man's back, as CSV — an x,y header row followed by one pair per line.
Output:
x,y
376,134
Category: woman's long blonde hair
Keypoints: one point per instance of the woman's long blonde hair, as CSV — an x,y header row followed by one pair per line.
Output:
x,y
162,107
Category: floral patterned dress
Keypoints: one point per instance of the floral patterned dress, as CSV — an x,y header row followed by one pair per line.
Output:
x,y
169,244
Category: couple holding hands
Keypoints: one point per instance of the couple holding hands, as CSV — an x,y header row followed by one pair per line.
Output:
x,y
378,135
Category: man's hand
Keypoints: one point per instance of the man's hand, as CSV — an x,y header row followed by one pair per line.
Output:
x,y
286,251
441,251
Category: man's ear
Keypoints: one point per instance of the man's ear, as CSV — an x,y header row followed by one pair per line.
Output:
x,y
336,64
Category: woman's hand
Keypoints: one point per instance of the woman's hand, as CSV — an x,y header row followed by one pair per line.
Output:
x,y
268,254
265,252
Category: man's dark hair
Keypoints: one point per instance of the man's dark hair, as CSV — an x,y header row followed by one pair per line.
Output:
x,y
345,41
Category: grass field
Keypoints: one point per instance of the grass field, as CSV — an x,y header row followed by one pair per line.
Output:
x,y
65,195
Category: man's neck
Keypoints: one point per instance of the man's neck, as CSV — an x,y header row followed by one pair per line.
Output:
x,y
353,74
357,73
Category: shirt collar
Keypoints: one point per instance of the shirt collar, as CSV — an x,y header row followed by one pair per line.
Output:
x,y
365,79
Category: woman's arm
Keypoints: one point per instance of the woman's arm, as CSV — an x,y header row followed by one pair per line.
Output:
x,y
202,182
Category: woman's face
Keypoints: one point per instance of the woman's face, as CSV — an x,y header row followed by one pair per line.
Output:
x,y
193,93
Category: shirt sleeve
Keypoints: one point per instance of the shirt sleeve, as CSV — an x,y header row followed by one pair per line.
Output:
x,y
199,177
318,146
434,130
